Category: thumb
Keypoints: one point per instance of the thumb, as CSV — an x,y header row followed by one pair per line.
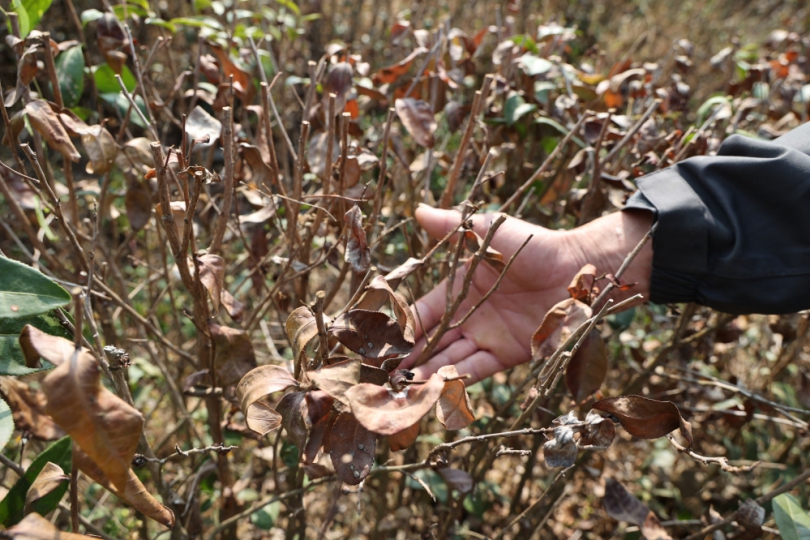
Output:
x,y
437,222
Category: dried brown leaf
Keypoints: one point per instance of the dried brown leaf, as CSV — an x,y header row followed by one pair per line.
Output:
x,y
382,411
293,410
491,255
28,409
301,329
338,82
394,72
646,418
202,126
133,493
254,387
234,355
371,334
622,505
454,409
49,478
403,439
417,117
562,450
336,379
138,204
351,448
375,296
36,527
557,326
457,479
597,432
588,367
212,276
46,122
582,286
358,254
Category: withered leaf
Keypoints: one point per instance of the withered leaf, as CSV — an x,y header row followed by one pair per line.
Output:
x,y
293,410
373,375
316,470
46,122
382,411
262,173
392,73
241,78
317,150
417,117
36,345
351,448
202,126
358,254
582,286
336,379
101,149
457,479
491,255
375,296
588,367
256,385
454,409
301,329
395,276
234,355
212,276
28,409
597,433
100,423
318,435
133,493
646,418
562,450
371,334
403,439
178,210
36,527
49,478
621,505
557,326
194,379
138,204
338,82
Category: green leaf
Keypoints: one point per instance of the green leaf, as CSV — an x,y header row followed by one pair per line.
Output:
x,y
120,101
24,291
154,21
22,18
131,10
289,4
559,127
793,522
534,65
515,108
90,15
200,21
70,72
6,424
105,80
705,110
12,507
35,10
265,518
12,361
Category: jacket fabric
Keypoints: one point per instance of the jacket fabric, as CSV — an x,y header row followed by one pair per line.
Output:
x,y
734,229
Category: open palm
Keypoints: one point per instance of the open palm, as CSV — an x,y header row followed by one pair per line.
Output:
x,y
498,335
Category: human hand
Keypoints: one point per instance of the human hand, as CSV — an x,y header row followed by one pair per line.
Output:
x,y
498,335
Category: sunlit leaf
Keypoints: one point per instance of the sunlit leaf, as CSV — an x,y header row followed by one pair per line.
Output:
x,y
25,291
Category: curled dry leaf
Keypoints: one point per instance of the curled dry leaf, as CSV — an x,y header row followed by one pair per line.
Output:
x,y
254,387
100,423
46,122
382,411
417,117
358,254
262,173
562,450
133,493
403,439
622,505
202,126
454,409
557,326
351,448
318,434
491,256
293,410
36,527
28,409
212,276
338,82
457,479
49,478
646,418
371,334
241,78
101,149
301,329
395,276
234,355
588,367
375,296
392,73
597,432
178,209
336,379
582,286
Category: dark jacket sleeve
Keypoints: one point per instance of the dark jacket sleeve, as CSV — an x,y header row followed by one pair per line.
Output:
x,y
734,229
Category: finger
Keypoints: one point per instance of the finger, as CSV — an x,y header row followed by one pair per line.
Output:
x,y
448,338
478,364
428,310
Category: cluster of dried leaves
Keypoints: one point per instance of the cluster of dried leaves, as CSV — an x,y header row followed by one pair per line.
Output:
x,y
209,246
